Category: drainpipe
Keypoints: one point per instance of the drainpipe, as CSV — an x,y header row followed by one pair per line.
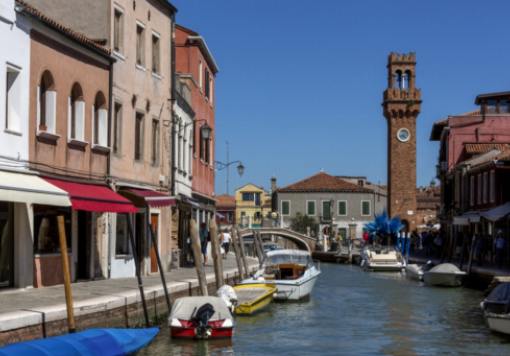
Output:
x,y
172,101
108,163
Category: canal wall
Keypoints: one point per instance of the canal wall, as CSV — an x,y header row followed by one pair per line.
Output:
x,y
111,309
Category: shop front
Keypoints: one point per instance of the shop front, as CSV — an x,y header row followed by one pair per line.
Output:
x,y
20,194
86,228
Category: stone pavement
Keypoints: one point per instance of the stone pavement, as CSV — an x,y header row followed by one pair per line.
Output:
x,y
23,308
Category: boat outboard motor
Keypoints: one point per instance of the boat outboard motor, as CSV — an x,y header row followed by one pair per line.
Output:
x,y
201,319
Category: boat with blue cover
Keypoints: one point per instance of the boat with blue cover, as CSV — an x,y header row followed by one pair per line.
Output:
x,y
104,342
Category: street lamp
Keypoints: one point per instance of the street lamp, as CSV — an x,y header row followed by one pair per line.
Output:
x,y
205,130
222,165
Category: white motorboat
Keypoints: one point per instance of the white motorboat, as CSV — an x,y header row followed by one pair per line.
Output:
x,y
381,258
292,271
415,271
496,309
445,275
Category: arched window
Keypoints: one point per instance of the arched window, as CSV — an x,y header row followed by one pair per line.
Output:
x,y
46,103
404,85
409,77
100,122
76,113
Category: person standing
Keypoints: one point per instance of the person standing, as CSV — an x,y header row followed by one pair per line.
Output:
x,y
499,245
225,242
204,239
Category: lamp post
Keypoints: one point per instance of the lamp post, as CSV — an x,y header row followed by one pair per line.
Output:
x,y
226,165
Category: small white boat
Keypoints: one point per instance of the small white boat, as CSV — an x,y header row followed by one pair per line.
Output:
x,y
200,318
496,309
445,275
292,271
379,258
415,271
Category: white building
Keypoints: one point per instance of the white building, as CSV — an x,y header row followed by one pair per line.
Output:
x,y
19,188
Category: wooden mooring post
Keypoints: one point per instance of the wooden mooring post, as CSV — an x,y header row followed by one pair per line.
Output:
x,y
237,252
216,254
71,326
197,257
137,268
257,243
243,253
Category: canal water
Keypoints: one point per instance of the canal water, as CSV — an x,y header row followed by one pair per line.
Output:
x,y
352,312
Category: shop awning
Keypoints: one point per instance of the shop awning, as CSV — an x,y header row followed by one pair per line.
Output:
x,y
142,197
497,213
466,218
93,197
28,188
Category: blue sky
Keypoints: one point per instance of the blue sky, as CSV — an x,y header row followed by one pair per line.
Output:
x,y
300,83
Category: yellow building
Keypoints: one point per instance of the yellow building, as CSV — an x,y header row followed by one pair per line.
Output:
x,y
253,204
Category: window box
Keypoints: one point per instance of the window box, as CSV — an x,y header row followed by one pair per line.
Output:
x,y
100,149
47,137
77,144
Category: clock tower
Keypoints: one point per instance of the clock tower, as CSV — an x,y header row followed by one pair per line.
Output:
x,y
401,105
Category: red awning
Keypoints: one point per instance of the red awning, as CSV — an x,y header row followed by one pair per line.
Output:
x,y
150,197
93,197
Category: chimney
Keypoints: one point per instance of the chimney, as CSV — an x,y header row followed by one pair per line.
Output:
x,y
273,184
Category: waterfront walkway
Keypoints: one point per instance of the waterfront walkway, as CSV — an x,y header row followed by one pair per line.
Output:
x,y
34,306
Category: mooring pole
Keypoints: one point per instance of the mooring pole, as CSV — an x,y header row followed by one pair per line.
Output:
x,y
197,257
137,269
67,275
158,259
216,254
235,245
258,246
243,254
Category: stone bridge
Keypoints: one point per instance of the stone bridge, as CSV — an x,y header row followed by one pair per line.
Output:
x,y
300,241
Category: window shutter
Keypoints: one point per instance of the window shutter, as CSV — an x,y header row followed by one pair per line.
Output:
x,y
51,104
102,130
79,116
69,118
38,110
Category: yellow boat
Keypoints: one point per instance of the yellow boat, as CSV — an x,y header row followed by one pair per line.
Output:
x,y
254,297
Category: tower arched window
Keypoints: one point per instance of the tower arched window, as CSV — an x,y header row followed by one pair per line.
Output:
x,y
404,84
76,114
409,77
100,120
397,79
46,103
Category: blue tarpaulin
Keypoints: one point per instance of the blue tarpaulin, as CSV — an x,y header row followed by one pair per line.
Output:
x,y
104,342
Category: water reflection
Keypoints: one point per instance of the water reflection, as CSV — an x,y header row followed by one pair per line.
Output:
x,y
357,313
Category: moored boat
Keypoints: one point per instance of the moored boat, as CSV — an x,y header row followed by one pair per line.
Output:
x,y
444,275
200,318
381,258
252,298
415,271
496,309
105,342
292,272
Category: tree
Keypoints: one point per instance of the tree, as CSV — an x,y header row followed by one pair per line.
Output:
x,y
300,223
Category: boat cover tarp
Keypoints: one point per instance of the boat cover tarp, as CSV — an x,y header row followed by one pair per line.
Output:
x,y
445,268
185,307
499,298
104,342
277,257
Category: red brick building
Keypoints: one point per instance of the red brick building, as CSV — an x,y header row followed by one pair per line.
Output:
x,y
225,210
196,65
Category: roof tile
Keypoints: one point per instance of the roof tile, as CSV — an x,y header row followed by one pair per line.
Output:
x,y
323,182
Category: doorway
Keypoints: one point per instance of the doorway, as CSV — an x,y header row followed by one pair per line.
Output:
x,y
6,245
84,245
154,226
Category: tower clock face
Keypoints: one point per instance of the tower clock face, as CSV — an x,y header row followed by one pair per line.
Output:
x,y
403,135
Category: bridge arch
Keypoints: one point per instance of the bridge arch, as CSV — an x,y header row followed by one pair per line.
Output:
x,y
302,242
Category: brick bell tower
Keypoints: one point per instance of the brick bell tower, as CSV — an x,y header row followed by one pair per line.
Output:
x,y
401,104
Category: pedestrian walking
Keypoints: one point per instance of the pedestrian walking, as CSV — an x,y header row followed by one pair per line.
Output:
x,y
225,242
204,240
499,246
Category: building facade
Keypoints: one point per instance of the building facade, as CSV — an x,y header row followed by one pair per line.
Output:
x,y
331,201
225,211
252,206
401,106
472,158
196,66
139,35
